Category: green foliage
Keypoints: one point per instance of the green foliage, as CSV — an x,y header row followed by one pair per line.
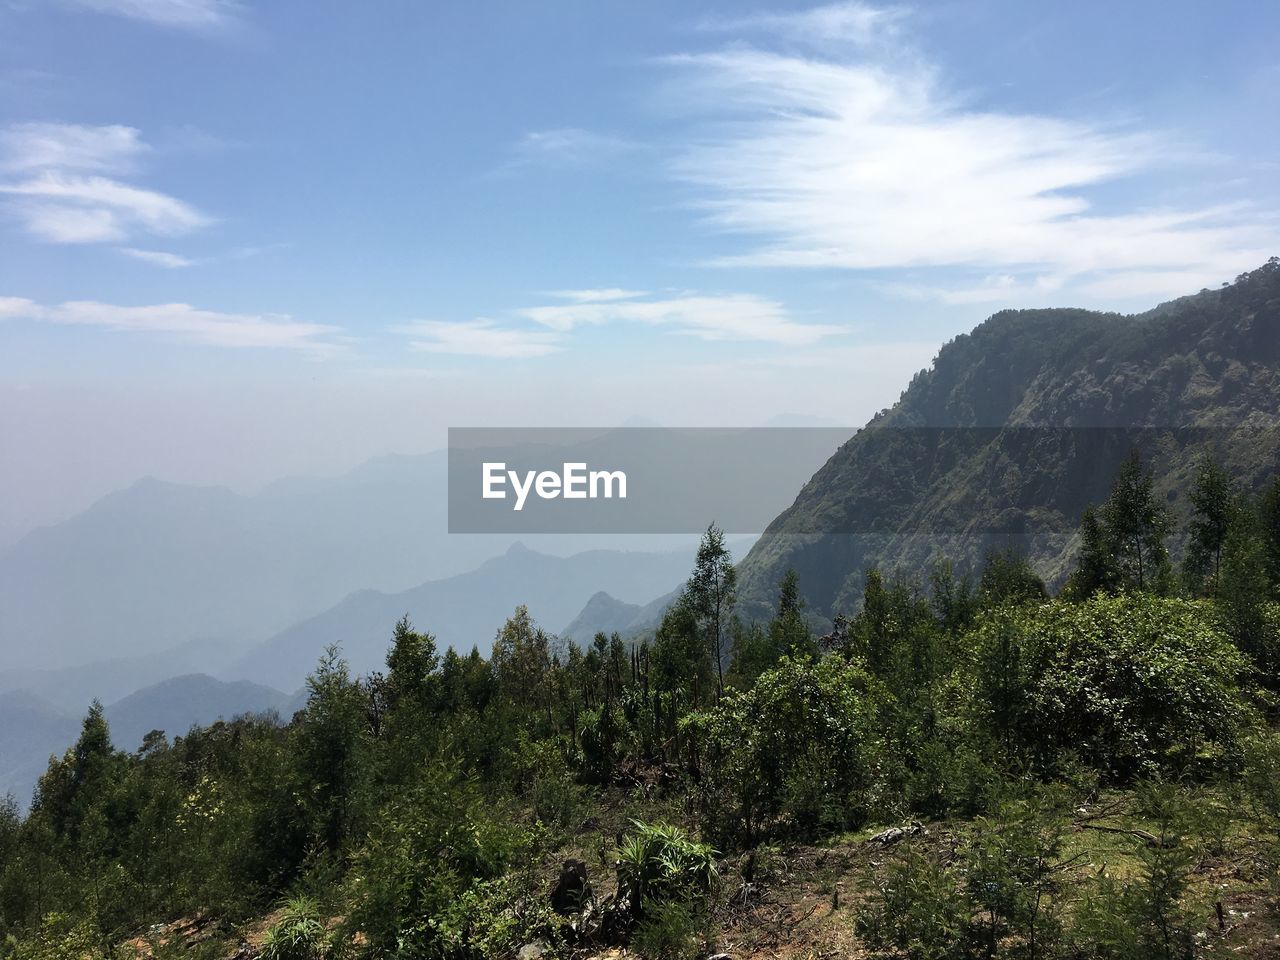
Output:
x,y
427,849
671,930
806,731
494,918
59,937
917,907
298,934
1214,502
1013,872
1133,684
710,595
1147,918
1123,544
330,751
660,863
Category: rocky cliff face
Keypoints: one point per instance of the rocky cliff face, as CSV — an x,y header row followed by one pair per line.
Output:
x,y
1021,424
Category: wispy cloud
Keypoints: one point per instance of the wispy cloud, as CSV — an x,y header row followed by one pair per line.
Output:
x,y
836,23
185,322
859,157
568,147
198,15
161,258
597,296
478,338
724,317
59,190
541,330
69,146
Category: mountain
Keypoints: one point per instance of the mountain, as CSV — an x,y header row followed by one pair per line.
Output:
x,y
606,614
178,704
160,564
462,611
602,614
33,729
1021,424
70,688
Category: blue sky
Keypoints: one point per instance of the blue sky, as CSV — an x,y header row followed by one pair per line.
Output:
x,y
247,239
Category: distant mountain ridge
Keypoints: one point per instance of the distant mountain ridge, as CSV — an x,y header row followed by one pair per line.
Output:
x,y
608,615
991,445
159,564
464,610
32,729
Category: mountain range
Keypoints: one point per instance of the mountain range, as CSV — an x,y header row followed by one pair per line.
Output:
x,y
218,602
1021,424
32,729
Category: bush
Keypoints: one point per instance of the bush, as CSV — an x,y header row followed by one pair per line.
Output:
x,y
60,937
670,931
1135,684
427,850
659,863
1147,918
495,918
1013,871
795,752
918,907
299,934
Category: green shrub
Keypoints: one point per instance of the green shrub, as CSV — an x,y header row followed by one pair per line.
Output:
x,y
1149,917
1135,685
426,851
918,907
495,918
1013,872
659,863
670,931
299,934
797,752
60,937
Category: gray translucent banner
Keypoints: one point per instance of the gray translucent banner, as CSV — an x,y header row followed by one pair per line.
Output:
x,y
1014,480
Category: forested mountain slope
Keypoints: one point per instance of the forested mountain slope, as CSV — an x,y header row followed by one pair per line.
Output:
x,y
1021,424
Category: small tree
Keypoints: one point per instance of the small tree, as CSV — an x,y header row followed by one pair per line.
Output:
x,y
1137,526
1095,566
712,594
1214,505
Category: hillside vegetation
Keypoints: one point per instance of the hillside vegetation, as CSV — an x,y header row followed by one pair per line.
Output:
x,y
971,761
985,771
1021,424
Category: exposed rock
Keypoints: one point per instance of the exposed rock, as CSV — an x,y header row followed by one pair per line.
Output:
x,y
891,836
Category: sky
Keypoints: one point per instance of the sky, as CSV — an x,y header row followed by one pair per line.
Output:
x,y
243,240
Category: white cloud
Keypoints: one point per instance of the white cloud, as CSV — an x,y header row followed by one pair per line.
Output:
x,y
69,146
843,23
200,15
13,307
861,159
160,258
727,317
478,338
568,147
184,322
596,296
62,196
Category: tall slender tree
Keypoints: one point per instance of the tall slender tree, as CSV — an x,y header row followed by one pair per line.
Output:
x,y
712,594
1214,502
1137,526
